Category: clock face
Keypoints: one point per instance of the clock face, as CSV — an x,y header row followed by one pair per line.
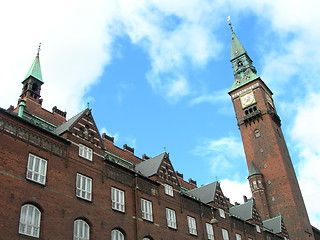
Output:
x,y
247,99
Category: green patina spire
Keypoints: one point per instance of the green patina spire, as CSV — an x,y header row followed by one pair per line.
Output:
x,y
35,69
243,70
236,47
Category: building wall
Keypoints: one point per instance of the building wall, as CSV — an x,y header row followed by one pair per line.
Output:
x,y
59,205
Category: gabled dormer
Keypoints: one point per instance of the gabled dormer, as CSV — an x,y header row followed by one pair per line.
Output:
x,y
210,194
82,127
159,168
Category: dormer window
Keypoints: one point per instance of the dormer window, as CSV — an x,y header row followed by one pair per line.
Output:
x,y
168,189
85,152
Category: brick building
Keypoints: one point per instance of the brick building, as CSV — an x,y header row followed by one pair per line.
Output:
x,y
61,178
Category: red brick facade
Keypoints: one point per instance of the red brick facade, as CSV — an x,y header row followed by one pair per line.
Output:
x,y
110,167
265,146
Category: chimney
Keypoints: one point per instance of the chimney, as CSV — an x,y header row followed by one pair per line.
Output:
x,y
107,137
245,199
59,112
179,174
127,148
193,182
145,157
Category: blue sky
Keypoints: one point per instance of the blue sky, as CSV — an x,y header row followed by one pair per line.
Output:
x,y
156,74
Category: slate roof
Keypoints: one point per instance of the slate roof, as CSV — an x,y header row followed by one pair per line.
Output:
x,y
273,224
243,211
205,193
253,169
68,124
151,166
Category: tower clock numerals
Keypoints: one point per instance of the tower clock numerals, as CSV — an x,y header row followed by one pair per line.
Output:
x,y
247,99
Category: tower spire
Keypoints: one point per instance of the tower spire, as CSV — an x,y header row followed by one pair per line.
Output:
x,y
243,69
33,80
35,69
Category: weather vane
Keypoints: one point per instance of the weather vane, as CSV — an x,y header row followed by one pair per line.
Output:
x,y
39,49
230,24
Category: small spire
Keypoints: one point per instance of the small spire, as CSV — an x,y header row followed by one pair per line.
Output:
x,y
164,149
88,104
39,49
35,69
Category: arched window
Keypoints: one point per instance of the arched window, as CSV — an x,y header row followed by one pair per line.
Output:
x,y
81,230
117,235
30,220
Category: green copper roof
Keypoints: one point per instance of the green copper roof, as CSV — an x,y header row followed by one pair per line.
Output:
x,y
239,82
236,47
253,170
35,70
243,69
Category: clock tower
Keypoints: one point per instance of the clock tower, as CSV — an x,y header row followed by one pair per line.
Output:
x,y
272,178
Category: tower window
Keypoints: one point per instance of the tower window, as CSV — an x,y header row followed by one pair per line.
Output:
x,y
34,87
257,133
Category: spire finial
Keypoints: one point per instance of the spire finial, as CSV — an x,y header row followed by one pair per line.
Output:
x,y
230,24
88,104
165,149
39,49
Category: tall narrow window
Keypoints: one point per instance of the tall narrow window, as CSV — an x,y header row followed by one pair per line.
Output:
x,y
146,209
81,230
222,213
171,218
30,220
37,169
116,235
238,236
117,198
192,225
168,190
85,152
210,233
84,186
225,234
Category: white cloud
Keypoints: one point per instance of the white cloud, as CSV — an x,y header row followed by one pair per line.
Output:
x,y
222,154
306,135
115,135
212,98
235,190
75,47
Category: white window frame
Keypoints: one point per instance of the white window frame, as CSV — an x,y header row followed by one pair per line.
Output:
x,y
222,213
117,199
258,229
84,187
171,218
238,236
85,152
36,169
81,230
210,232
146,209
225,234
117,235
30,217
168,189
192,225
